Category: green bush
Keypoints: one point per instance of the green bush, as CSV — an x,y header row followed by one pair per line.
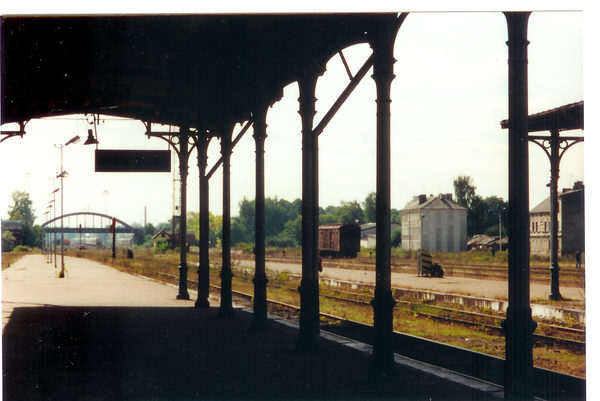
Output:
x,y
277,242
162,246
148,241
245,247
396,238
22,248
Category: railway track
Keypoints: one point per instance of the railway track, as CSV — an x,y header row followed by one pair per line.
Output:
x,y
488,322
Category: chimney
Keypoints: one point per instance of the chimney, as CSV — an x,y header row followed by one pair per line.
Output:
x,y
449,197
422,199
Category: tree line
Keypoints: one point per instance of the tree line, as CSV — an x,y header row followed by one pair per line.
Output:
x,y
283,220
283,223
484,216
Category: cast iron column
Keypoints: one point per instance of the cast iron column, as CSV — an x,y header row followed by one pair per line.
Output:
x,y
383,366
519,325
204,263
555,147
554,162
183,172
226,308
260,321
309,286
180,146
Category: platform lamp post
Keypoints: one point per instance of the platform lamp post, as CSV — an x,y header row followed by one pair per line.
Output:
x,y
63,174
105,193
422,216
52,236
53,204
50,233
45,236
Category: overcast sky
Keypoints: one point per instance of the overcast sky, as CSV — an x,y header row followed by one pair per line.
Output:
x,y
448,98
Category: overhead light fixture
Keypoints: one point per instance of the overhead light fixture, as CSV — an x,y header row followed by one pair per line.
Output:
x,y
73,140
90,139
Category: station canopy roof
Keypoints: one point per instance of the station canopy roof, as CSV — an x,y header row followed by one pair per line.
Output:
x,y
568,117
193,70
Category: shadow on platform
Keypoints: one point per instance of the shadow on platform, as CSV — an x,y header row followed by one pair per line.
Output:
x,y
152,353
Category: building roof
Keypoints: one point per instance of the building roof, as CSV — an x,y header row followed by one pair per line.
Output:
x,y
364,228
543,207
171,234
331,225
479,239
568,117
182,70
569,192
12,225
166,232
440,202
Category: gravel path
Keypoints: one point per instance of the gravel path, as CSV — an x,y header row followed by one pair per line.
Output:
x,y
453,285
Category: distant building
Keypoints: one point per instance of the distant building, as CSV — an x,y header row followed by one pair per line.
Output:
x,y
539,229
125,240
7,244
165,235
435,223
15,227
169,236
368,237
571,223
572,219
486,243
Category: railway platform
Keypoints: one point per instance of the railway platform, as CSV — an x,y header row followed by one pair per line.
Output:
x,y
100,334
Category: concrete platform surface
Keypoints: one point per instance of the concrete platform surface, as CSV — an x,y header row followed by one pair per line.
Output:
x,y
100,334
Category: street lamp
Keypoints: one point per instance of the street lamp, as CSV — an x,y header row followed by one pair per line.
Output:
x,y
105,193
63,174
45,235
421,246
54,223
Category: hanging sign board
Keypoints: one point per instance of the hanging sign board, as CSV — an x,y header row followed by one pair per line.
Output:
x,y
133,161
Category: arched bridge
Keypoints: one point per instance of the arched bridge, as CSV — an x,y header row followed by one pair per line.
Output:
x,y
100,223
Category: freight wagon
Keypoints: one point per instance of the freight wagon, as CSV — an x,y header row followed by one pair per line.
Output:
x,y
339,240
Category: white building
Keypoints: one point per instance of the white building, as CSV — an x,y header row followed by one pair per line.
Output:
x,y
435,223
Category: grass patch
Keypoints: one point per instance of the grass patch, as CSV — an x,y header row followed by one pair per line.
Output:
x,y
10,258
